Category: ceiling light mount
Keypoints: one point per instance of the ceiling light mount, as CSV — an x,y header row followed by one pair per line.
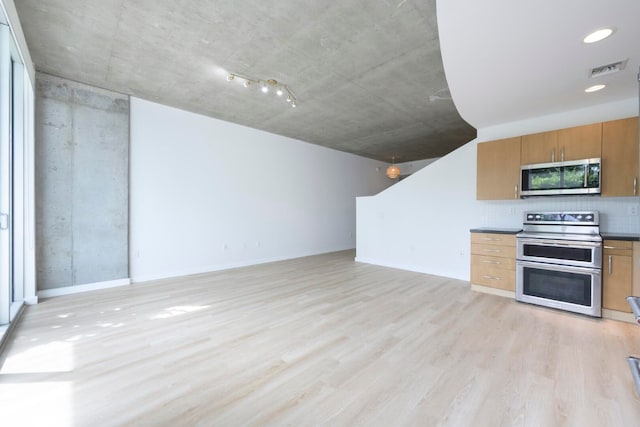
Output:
x,y
594,88
597,35
265,85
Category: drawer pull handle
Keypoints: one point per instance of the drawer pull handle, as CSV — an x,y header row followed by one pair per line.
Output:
x,y
491,262
492,250
616,247
491,277
491,239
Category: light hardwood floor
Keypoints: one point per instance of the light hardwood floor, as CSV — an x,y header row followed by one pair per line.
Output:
x,y
314,341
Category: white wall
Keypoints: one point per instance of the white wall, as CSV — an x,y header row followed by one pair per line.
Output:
x,y
409,168
422,223
207,194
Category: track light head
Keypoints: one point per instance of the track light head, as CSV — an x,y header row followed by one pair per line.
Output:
x,y
279,88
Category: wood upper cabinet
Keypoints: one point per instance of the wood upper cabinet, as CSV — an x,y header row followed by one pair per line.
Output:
x,y
576,143
620,158
498,174
581,142
617,274
539,147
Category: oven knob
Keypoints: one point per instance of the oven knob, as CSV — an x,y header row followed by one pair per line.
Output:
x,y
538,216
579,216
589,217
529,216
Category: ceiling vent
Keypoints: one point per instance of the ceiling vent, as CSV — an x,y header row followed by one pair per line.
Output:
x,y
604,70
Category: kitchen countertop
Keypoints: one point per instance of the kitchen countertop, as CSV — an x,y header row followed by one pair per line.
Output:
x,y
496,230
633,237
621,236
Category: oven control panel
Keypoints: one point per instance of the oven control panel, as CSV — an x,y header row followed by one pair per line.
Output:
x,y
576,218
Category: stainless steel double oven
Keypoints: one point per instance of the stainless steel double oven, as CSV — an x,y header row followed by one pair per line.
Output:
x,y
559,261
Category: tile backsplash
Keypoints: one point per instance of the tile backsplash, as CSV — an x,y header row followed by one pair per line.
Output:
x,y
617,214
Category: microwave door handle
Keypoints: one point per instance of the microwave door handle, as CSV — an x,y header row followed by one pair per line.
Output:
x,y
586,174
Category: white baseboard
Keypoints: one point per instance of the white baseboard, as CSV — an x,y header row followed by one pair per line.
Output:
x,y
410,267
48,293
493,291
139,278
618,315
31,300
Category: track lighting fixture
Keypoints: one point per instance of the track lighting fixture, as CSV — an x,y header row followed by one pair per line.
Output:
x,y
265,85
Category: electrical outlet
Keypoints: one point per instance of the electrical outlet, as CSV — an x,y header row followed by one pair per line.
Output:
x,y
633,210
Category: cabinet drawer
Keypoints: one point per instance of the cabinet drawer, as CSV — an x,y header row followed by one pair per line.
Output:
x,y
617,247
497,262
493,277
493,239
493,250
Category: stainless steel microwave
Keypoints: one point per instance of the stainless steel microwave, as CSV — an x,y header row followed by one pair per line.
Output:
x,y
561,178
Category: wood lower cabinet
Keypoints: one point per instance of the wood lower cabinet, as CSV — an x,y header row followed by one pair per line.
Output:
x,y
617,274
498,174
620,158
493,260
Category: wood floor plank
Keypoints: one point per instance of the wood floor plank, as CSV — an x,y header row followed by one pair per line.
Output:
x,y
319,340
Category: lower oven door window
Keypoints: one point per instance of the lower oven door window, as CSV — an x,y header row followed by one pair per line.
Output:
x,y
575,289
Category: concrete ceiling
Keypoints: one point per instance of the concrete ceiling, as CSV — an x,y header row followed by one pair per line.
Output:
x,y
368,75
510,60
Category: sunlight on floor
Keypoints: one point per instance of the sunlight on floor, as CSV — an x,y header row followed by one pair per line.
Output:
x,y
56,356
178,310
35,403
33,391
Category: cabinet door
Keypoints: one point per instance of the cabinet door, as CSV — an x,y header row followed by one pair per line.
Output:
x,y
620,164
581,142
539,148
616,282
498,175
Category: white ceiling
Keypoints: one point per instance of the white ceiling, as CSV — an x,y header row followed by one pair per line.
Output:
x,y
511,60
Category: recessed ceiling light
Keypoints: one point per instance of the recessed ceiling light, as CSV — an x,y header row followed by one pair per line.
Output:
x,y
595,88
598,35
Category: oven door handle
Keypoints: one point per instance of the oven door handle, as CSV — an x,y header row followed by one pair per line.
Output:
x,y
557,267
560,243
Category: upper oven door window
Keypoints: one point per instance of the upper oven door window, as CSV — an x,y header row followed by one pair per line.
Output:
x,y
586,254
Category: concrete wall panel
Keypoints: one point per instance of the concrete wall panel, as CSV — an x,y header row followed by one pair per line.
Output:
x,y
82,149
